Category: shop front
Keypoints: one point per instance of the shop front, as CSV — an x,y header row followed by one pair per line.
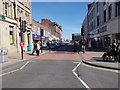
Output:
x,y
37,38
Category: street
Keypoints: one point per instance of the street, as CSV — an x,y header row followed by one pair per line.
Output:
x,y
61,68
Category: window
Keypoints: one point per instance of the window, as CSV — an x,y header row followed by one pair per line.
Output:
x,y
11,35
97,20
98,31
104,15
6,9
110,11
97,7
117,8
104,3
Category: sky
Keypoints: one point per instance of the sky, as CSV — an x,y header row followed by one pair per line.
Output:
x,y
69,15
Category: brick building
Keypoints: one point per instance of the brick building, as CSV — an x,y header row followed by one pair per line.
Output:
x,y
55,29
40,32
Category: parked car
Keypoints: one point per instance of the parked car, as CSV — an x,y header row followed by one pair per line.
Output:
x,y
52,46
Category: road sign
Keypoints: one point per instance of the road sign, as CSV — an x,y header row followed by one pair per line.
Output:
x,y
22,44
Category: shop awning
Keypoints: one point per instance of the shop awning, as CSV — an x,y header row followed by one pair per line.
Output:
x,y
39,36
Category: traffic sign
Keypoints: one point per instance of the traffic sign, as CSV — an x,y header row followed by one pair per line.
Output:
x,y
22,44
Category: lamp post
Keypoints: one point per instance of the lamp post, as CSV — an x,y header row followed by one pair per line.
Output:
x,y
21,33
22,30
41,34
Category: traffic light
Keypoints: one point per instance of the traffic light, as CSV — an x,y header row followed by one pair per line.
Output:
x,y
23,26
42,32
82,31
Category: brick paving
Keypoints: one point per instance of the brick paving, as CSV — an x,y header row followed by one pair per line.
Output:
x,y
92,56
18,57
59,57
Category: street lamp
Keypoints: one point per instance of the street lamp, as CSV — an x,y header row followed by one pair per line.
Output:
x,y
41,34
22,30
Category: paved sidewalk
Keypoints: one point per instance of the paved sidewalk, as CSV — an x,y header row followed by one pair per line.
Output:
x,y
16,57
95,59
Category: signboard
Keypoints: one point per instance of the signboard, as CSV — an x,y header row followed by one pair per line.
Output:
x,y
22,44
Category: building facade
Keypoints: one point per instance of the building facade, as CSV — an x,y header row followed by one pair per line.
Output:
x,y
56,30
102,22
11,11
76,37
40,33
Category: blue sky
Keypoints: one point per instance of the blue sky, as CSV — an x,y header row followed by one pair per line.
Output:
x,y
69,15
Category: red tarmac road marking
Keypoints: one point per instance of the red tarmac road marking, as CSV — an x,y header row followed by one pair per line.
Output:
x,y
59,57
90,56
17,57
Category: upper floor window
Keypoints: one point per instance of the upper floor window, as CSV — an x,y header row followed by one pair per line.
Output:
x,y
104,3
97,7
110,11
6,9
98,20
117,8
104,15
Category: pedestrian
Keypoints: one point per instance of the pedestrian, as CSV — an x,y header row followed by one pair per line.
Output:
x,y
38,49
34,48
75,44
48,45
83,46
118,51
89,45
114,49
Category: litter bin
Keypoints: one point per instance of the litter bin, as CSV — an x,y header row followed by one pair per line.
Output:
x,y
29,47
3,55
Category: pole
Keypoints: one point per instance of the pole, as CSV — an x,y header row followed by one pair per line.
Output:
x,y
41,32
21,37
21,48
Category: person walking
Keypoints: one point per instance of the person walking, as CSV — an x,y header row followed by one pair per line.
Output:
x,y
38,49
83,46
114,48
89,45
118,51
75,45
34,48
48,45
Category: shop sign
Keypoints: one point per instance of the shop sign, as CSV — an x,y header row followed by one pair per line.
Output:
x,y
28,32
2,16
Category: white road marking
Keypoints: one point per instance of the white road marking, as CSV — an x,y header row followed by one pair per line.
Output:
x,y
24,65
86,86
10,72
76,62
100,68
15,70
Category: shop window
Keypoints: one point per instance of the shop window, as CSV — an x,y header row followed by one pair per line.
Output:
x,y
11,35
